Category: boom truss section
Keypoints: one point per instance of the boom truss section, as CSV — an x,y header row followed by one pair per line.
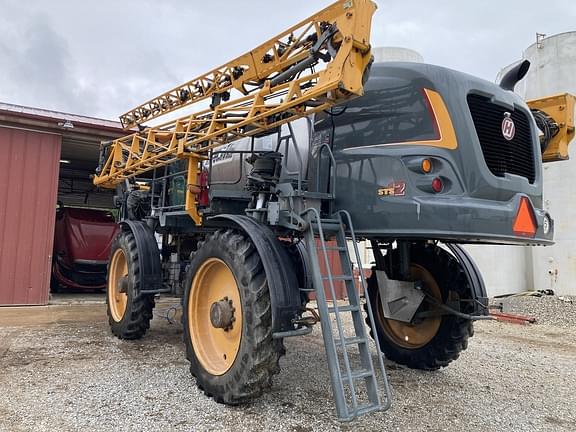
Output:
x,y
275,83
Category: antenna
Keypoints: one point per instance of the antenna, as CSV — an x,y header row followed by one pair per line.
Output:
x,y
539,38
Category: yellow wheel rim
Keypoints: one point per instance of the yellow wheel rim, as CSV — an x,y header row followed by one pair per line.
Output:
x,y
117,284
413,336
215,347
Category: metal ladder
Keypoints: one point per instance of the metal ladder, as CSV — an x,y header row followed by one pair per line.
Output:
x,y
346,381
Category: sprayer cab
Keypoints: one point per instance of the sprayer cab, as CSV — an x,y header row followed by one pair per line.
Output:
x,y
431,153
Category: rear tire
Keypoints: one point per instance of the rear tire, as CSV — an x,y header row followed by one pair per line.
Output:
x,y
129,312
447,336
228,266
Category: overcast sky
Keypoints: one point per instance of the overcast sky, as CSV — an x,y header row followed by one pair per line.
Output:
x,y
102,57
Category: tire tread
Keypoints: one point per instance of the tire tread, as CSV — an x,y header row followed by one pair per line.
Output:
x,y
263,353
140,306
441,351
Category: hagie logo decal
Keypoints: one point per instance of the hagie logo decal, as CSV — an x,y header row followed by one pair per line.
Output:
x,y
508,127
393,189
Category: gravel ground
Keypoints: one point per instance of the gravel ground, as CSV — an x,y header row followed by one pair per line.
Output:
x,y
72,376
552,310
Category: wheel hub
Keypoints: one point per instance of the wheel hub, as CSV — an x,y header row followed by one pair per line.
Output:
x,y
214,311
222,314
123,284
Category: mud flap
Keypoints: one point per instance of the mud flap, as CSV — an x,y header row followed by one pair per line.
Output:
x,y
280,274
148,256
478,294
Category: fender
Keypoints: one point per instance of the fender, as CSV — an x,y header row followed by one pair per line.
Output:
x,y
474,278
148,256
280,273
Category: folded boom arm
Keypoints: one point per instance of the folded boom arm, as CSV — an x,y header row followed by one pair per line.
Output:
x,y
271,85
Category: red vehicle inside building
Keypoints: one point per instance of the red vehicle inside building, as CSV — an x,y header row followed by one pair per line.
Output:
x,y
82,240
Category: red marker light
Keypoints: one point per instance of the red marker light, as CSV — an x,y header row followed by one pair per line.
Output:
x,y
203,197
437,185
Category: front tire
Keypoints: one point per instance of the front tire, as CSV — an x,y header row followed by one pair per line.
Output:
x,y
227,320
432,342
129,311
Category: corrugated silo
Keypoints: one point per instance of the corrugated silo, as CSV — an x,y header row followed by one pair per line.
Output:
x,y
384,54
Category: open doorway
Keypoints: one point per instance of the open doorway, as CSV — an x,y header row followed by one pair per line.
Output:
x,y
85,224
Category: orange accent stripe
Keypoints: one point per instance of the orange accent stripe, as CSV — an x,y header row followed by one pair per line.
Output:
x,y
447,135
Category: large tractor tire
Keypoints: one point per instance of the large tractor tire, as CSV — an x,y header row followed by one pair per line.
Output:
x,y
429,343
227,320
129,311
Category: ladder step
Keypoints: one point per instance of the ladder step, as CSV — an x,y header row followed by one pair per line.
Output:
x,y
364,373
328,225
337,344
328,230
339,278
330,221
368,408
335,248
347,308
351,341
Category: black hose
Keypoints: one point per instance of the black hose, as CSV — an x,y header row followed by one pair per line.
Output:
x,y
548,127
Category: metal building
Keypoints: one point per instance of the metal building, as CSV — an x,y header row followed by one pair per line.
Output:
x,y
45,157
510,269
384,54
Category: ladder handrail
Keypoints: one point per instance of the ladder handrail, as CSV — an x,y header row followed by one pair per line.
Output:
x,y
348,405
388,402
331,171
339,326
292,136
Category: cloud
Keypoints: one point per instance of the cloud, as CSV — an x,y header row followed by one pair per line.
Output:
x,y
38,70
51,62
102,58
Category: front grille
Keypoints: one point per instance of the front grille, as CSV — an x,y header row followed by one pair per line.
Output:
x,y
502,156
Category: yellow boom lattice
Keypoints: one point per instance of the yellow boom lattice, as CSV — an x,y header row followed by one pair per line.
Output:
x,y
273,84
